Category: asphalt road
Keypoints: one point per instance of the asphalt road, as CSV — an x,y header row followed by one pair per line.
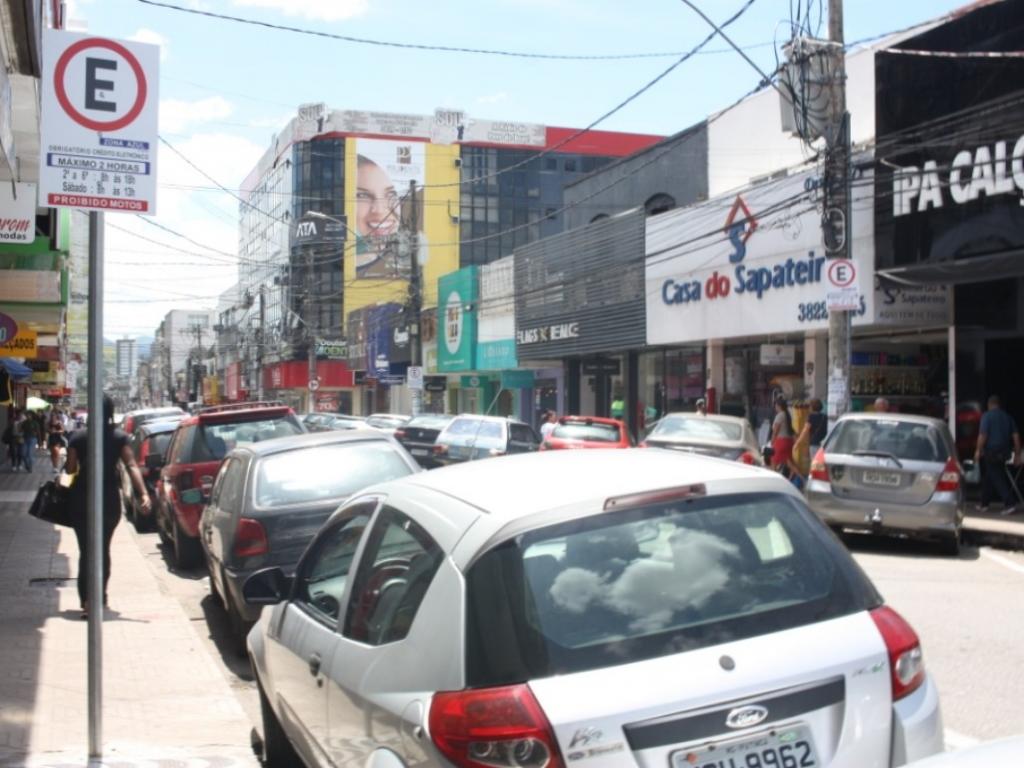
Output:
x,y
968,612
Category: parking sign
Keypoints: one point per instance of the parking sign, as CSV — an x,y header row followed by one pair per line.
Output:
x,y
98,126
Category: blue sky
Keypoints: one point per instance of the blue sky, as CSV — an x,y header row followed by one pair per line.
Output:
x,y
225,88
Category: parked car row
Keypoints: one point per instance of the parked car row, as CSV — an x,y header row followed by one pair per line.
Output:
x,y
466,615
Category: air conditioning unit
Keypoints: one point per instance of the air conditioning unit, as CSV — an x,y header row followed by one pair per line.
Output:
x,y
456,218
458,162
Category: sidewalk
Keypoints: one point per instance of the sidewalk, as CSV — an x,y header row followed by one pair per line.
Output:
x,y
166,701
993,530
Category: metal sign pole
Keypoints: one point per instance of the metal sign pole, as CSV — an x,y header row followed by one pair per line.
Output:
x,y
94,468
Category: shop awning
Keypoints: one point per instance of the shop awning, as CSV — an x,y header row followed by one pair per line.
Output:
x,y
978,269
15,369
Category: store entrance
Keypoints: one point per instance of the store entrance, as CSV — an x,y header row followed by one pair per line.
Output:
x,y
1003,358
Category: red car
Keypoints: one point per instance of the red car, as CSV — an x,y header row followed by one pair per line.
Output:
x,y
587,432
192,460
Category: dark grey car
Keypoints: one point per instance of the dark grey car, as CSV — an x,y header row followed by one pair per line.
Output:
x,y
270,498
420,433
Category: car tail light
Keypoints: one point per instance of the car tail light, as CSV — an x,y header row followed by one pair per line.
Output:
x,y
399,434
906,662
642,444
493,728
747,458
949,480
250,538
819,469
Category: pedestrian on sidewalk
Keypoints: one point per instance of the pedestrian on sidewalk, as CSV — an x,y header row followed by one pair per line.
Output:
x,y
17,446
30,439
998,442
548,424
57,439
116,447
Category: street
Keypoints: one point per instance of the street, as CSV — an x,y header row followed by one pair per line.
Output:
x,y
967,612
968,615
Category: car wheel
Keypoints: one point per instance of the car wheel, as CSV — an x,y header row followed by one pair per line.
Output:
x,y
951,545
278,752
160,519
186,549
239,628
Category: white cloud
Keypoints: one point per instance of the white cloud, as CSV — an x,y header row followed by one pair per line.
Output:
x,y
323,10
492,98
177,115
144,35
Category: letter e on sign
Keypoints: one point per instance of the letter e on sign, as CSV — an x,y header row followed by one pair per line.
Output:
x,y
841,273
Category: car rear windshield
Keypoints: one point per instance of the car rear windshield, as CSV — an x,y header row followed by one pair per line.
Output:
x,y
324,472
478,432
158,443
697,428
637,584
387,422
213,441
905,440
595,433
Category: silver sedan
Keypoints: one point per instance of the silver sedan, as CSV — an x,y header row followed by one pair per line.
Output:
x,y
890,473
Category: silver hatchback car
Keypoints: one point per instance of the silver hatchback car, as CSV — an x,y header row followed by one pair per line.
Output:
x,y
640,607
890,473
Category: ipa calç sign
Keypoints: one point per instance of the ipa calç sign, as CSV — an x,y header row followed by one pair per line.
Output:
x,y
98,128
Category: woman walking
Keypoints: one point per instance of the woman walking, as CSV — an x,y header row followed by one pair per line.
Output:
x,y
782,440
56,439
115,448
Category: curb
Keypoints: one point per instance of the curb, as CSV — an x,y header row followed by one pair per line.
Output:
x,y
979,537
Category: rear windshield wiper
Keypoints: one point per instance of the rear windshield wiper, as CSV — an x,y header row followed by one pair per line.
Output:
x,y
881,455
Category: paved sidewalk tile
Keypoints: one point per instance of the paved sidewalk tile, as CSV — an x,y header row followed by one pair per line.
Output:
x,y
166,700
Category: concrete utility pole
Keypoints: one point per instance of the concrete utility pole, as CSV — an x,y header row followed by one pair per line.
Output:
x,y
260,342
309,311
836,220
415,297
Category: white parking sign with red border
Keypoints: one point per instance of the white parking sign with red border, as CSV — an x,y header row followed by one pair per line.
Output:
x,y
98,127
842,291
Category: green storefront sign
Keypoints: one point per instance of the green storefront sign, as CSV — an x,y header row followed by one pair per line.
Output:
x,y
517,379
457,294
496,355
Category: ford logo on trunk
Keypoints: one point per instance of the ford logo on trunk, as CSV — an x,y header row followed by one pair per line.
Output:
x,y
745,717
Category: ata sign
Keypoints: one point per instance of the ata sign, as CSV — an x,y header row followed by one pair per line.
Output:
x,y
98,126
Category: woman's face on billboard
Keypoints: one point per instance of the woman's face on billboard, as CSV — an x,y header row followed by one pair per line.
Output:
x,y
376,202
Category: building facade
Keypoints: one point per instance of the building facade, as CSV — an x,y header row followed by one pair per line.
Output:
x,y
330,229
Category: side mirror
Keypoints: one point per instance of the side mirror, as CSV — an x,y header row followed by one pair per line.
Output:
x,y
268,586
154,461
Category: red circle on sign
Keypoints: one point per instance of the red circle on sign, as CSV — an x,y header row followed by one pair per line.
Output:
x,y
835,266
65,102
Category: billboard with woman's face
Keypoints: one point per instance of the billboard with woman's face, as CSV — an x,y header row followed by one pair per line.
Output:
x,y
384,209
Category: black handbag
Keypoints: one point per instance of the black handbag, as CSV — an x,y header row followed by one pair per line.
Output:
x,y
53,504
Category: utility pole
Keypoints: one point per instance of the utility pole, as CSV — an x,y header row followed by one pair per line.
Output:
x,y
260,339
836,220
415,297
310,309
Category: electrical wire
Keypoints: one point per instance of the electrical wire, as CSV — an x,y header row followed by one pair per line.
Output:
x,y
417,46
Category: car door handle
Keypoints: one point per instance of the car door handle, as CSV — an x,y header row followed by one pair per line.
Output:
x,y
314,664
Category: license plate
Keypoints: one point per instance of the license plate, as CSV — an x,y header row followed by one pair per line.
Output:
x,y
420,452
782,748
888,479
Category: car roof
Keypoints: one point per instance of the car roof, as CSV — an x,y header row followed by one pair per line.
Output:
x,y
737,420
481,417
536,482
159,427
313,439
910,418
